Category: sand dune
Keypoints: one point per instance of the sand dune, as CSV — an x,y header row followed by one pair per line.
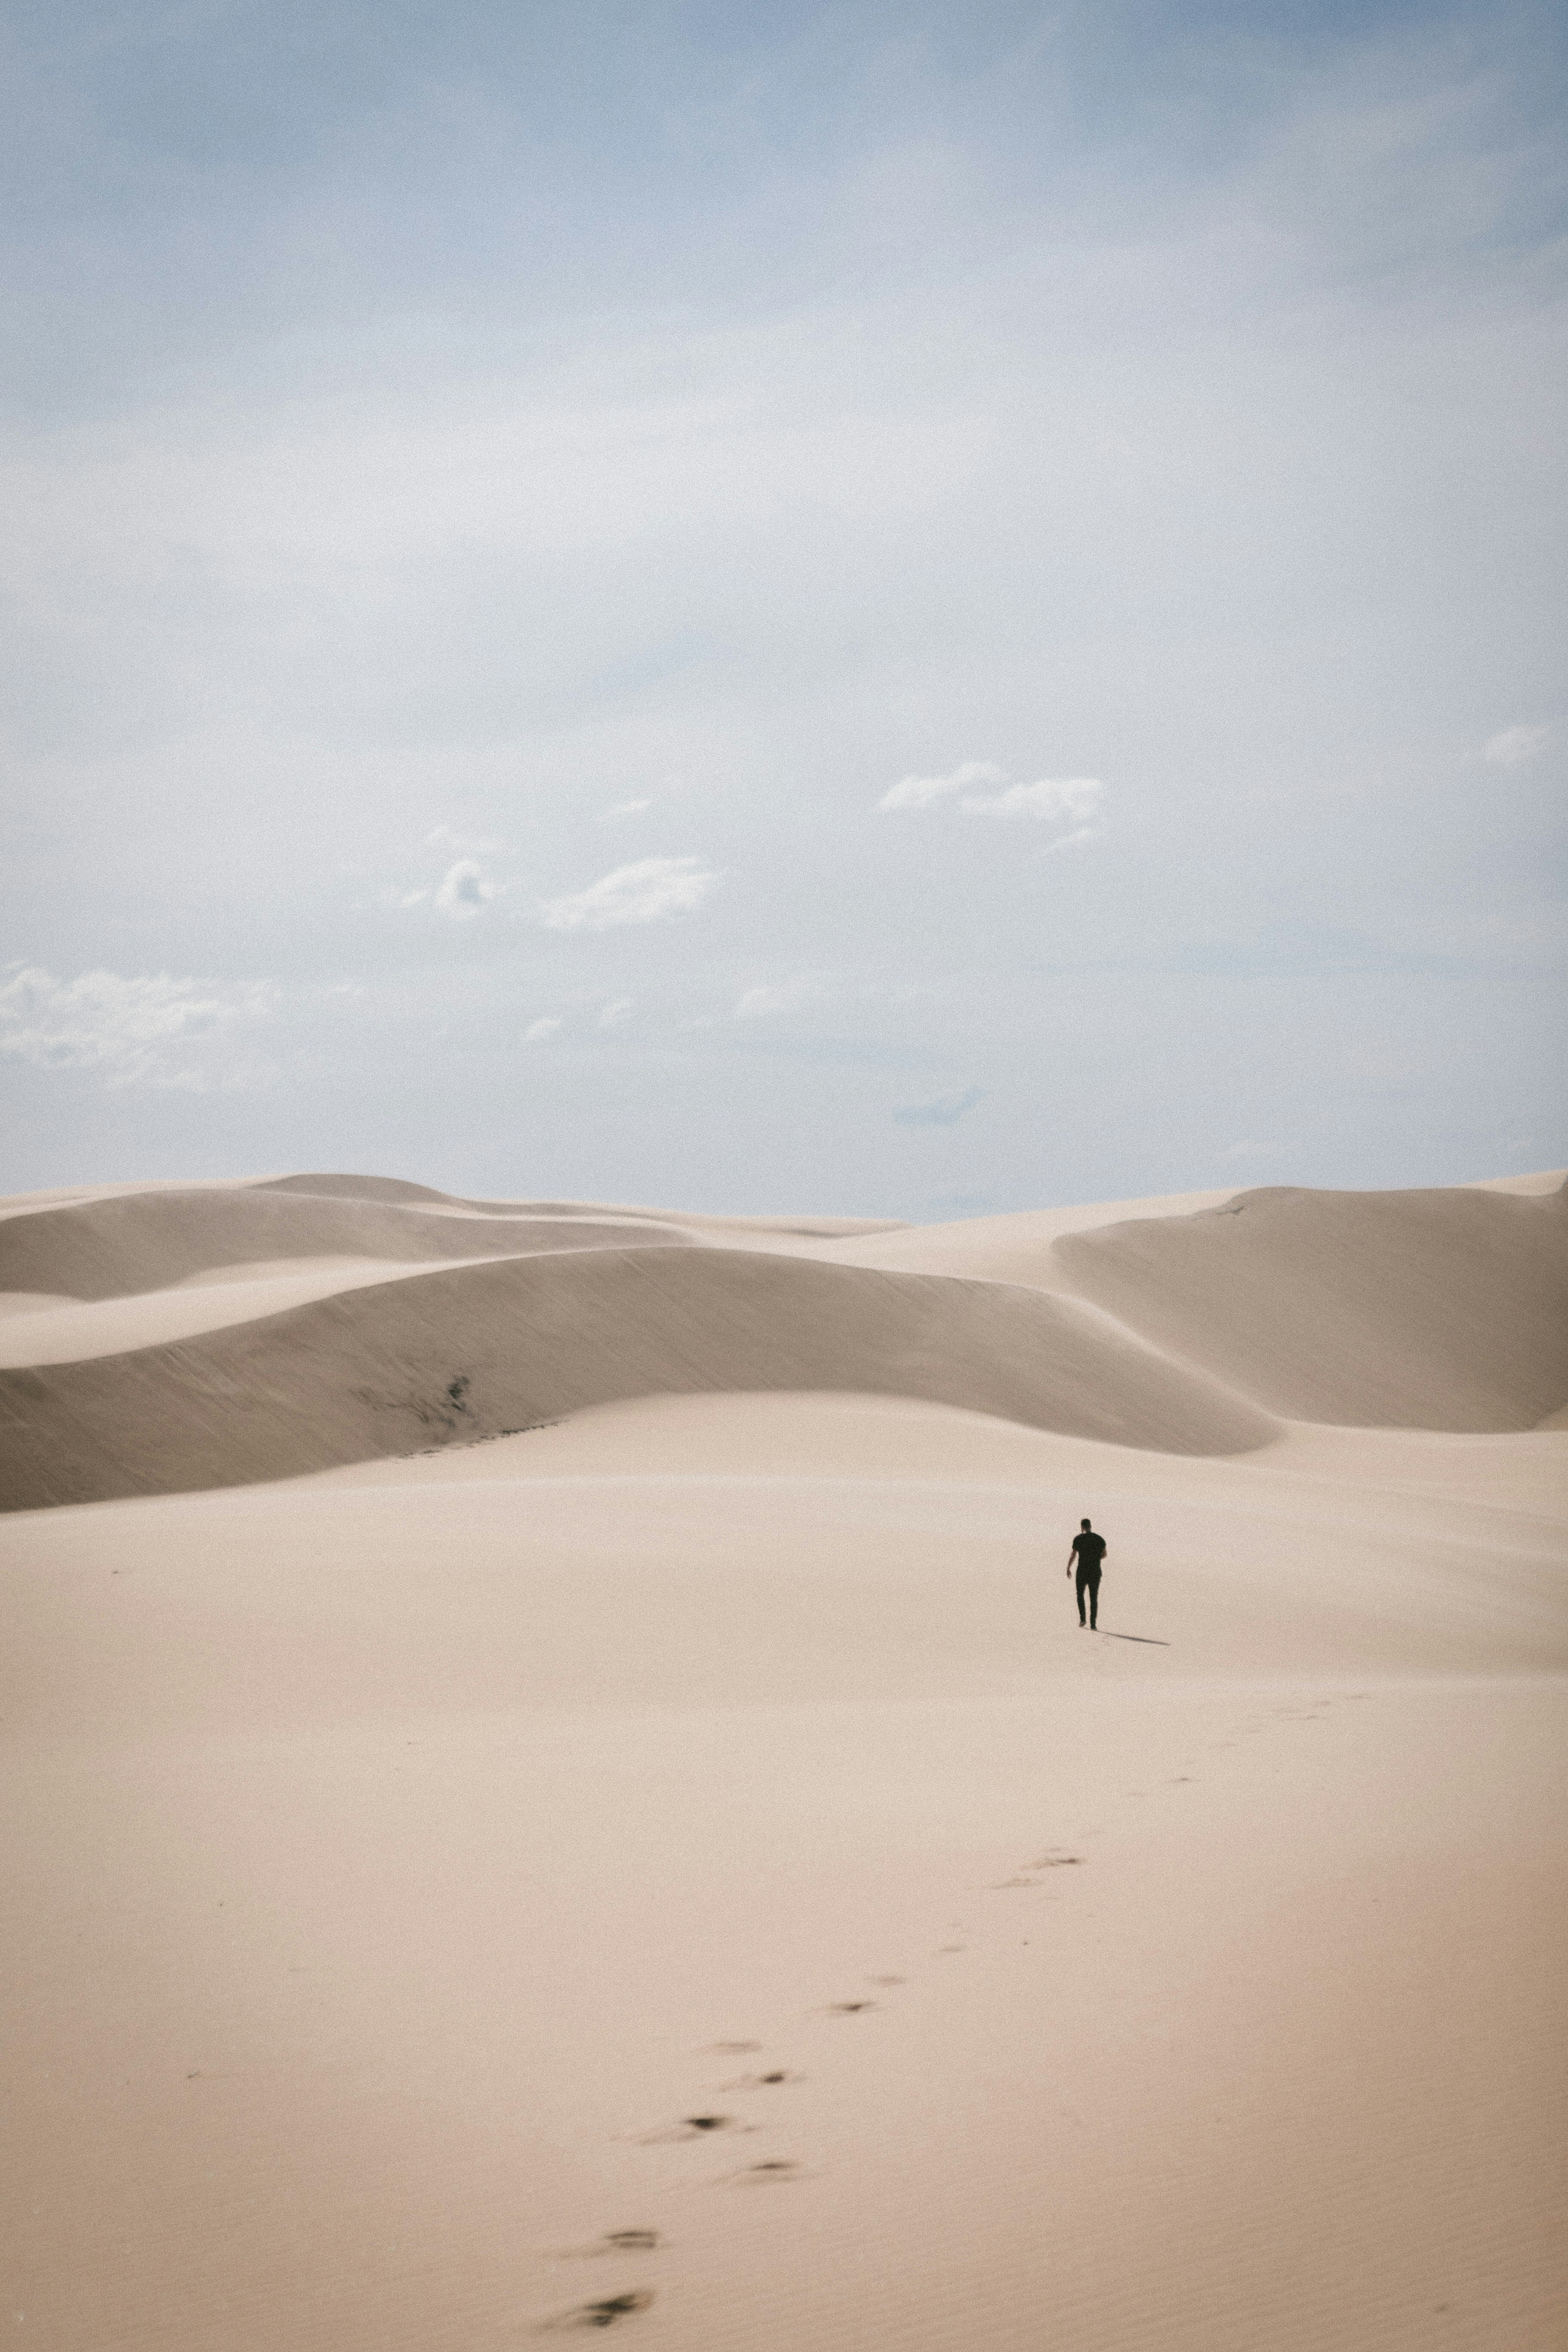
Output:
x,y
105,1249
388,1188
477,1349
1373,1480
399,1858
679,1868
1432,1309
1019,1247
58,1330
164,1339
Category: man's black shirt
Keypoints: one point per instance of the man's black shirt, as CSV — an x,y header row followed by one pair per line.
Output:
x,y
1090,1548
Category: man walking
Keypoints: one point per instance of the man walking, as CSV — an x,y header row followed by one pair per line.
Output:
x,y
1088,1552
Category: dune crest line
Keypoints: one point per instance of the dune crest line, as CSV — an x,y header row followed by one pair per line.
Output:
x,y
1179,1326
474,1350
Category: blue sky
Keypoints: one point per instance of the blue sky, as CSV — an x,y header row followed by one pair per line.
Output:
x,y
861,608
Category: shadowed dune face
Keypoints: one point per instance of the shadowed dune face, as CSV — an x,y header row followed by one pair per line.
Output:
x,y
471,1351
1444,1310
144,1241
1181,1333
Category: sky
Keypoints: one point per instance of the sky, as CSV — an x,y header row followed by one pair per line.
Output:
x,y
875,609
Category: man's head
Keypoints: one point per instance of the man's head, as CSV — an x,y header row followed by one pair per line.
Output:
x,y
1084,1525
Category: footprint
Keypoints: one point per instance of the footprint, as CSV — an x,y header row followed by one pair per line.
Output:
x,y
848,2008
734,2049
885,1981
598,2314
688,2127
762,2082
770,2175
615,2241
1062,1861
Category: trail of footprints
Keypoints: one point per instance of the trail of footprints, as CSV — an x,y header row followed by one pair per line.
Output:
x,y
713,2123
773,2172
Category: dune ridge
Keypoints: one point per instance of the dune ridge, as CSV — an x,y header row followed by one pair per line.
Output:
x,y
393,1188
106,1249
1434,1309
477,1350
402,1318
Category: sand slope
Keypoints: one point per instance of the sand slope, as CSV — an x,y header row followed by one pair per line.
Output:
x,y
390,1188
477,1349
680,1869
398,1859
1428,1309
161,1339
105,1249
1017,1247
60,1330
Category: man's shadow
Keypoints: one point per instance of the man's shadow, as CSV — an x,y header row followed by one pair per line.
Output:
x,y
1151,1641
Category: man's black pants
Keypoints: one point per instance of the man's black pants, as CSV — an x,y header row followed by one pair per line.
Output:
x,y
1089,1582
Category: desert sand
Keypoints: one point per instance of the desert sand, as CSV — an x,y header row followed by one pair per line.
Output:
x,y
553,1781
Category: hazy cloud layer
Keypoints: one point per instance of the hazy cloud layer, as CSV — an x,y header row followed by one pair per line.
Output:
x,y
148,1030
1058,517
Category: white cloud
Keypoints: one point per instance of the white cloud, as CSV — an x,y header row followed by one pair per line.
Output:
x,y
919,792
757,1004
1065,840
1517,746
1071,800
623,808
614,1013
1077,799
645,892
464,891
138,1030
538,1031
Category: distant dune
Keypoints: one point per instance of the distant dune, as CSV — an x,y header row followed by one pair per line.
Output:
x,y
448,1357
1184,1326
393,1188
1414,1310
106,1249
